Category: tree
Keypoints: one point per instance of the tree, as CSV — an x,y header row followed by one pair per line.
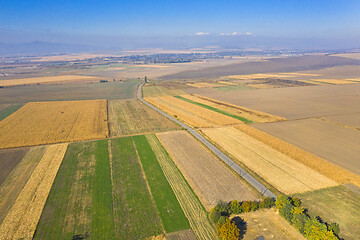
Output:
x,y
228,230
268,202
223,208
235,207
282,201
296,201
315,230
254,205
286,212
246,206
214,215
299,218
335,228
146,79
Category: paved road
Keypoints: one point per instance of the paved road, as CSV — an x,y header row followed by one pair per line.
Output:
x,y
245,175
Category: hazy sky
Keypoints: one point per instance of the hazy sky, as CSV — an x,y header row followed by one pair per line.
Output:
x,y
64,20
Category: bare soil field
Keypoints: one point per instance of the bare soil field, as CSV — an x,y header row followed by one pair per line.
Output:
x,y
288,64
8,161
53,122
209,178
253,115
132,117
191,114
332,142
269,225
282,172
293,103
347,120
52,79
66,92
349,55
14,183
337,204
22,219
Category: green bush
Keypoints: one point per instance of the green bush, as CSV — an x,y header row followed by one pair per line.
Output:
x,y
222,219
296,201
214,215
315,230
254,206
286,213
235,207
223,208
335,228
282,201
268,202
246,206
299,218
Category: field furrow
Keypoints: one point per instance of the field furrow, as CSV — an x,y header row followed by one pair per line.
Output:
x,y
24,215
190,204
281,171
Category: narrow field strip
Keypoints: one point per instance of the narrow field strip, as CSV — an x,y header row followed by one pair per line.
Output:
x,y
9,110
281,171
190,204
24,215
316,163
135,214
170,212
244,120
15,182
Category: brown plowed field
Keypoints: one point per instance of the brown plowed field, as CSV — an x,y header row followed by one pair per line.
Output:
x,y
190,113
132,117
68,78
209,178
282,172
53,122
8,161
337,144
22,219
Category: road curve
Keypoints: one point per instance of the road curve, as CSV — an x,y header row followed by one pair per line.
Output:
x,y
245,175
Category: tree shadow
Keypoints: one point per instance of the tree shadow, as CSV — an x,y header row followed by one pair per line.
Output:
x,y
80,236
241,224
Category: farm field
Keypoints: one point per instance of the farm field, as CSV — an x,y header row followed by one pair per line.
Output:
x,y
133,117
67,92
16,180
22,218
194,211
209,178
53,122
241,112
282,172
193,115
269,225
336,204
349,120
332,142
152,91
293,103
9,160
326,168
52,79
7,111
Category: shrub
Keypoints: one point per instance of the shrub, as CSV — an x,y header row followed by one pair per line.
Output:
x,y
314,230
223,208
235,207
246,206
214,215
282,201
299,218
296,201
335,228
268,202
254,206
228,230
222,219
285,212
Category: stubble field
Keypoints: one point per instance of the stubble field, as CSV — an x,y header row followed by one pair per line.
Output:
x,y
209,178
53,122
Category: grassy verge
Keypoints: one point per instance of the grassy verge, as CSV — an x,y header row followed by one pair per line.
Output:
x,y
9,110
215,110
191,205
171,214
135,213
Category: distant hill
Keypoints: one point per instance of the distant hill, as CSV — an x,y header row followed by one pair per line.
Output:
x,y
41,48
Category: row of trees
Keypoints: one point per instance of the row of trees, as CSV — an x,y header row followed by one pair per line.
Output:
x,y
312,228
220,215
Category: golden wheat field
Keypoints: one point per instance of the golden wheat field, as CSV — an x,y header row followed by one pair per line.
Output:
x,y
241,111
203,85
193,115
63,78
53,122
22,218
282,172
333,81
272,75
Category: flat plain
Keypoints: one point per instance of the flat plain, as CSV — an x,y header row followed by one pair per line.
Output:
x,y
282,172
9,160
209,178
133,117
53,122
336,204
337,144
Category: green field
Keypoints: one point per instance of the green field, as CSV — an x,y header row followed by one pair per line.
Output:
x,y
136,215
171,214
233,87
336,204
9,110
153,91
215,109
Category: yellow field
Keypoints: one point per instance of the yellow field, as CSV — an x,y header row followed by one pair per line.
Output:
x,y
22,219
282,172
333,81
193,115
241,111
320,165
53,122
272,75
228,83
152,91
22,81
203,85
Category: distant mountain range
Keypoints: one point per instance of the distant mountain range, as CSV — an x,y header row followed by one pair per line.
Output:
x,y
43,48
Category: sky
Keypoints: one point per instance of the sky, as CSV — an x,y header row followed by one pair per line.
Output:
x,y
112,22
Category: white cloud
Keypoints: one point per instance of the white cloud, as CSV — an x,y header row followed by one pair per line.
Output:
x,y
201,33
249,33
230,34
